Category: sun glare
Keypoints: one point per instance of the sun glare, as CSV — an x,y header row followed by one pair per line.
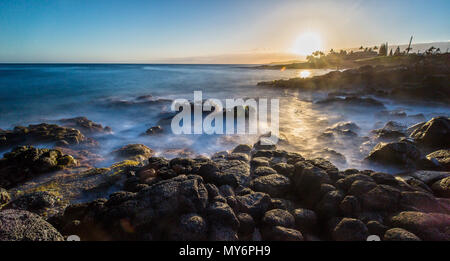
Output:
x,y
307,43
304,74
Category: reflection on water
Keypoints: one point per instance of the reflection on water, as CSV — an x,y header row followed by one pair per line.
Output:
x,y
304,74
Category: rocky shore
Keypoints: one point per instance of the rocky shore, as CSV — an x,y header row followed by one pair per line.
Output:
x,y
253,192
424,81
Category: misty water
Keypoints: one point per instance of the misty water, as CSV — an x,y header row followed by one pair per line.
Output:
x,y
132,98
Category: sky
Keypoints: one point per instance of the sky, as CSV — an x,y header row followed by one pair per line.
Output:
x,y
231,31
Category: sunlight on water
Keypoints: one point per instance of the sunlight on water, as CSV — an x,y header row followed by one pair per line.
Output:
x,y
304,74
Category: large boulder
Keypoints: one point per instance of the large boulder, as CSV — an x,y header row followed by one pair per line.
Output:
x,y
442,187
401,154
137,152
433,134
427,226
381,198
191,227
255,204
43,203
278,217
26,162
442,157
305,219
86,126
274,184
307,181
20,225
399,234
350,229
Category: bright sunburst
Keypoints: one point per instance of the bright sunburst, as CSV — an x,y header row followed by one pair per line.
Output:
x,y
307,43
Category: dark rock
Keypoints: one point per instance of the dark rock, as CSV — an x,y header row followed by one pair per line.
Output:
x,y
247,224
154,130
263,171
347,182
213,191
442,157
382,197
226,190
259,162
278,217
86,126
39,202
376,228
384,178
350,206
255,204
222,233
442,187
136,152
20,225
307,180
43,134
360,187
400,154
191,227
419,201
275,185
281,203
238,156
434,134
427,226
305,219
344,125
222,213
242,148
279,233
350,229
399,234
284,169
428,176
24,163
329,204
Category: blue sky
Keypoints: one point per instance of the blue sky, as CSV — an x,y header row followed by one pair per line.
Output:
x,y
148,31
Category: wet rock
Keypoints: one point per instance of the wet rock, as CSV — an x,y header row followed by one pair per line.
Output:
x,y
4,196
222,233
399,234
305,219
263,171
255,204
275,185
247,224
360,187
350,229
428,176
86,126
259,162
376,228
419,201
42,203
242,148
329,205
137,152
279,233
382,198
278,217
264,144
222,213
226,172
24,163
154,130
284,169
399,154
238,156
226,190
442,157
20,225
350,206
307,180
191,227
442,187
384,178
427,226
344,126
347,182
433,134
387,135
332,155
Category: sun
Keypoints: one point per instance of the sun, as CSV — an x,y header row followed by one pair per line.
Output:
x,y
307,43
